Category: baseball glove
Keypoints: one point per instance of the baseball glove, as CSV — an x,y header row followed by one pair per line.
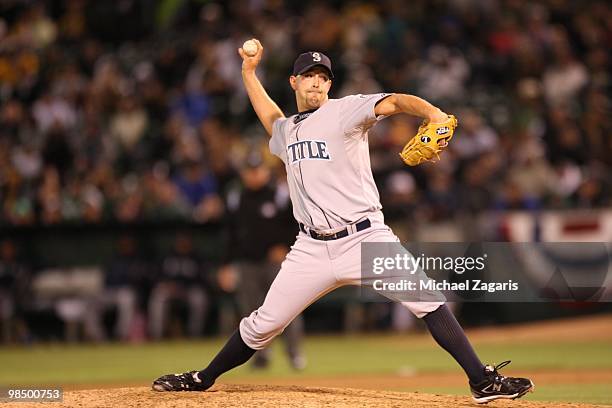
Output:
x,y
429,142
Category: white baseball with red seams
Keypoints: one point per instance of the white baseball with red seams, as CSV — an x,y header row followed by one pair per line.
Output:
x,y
249,47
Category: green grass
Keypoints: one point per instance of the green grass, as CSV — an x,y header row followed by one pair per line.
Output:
x,y
327,355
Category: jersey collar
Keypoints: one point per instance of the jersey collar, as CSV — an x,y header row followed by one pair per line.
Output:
x,y
303,115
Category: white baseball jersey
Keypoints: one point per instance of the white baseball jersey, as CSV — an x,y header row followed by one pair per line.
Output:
x,y
331,185
326,155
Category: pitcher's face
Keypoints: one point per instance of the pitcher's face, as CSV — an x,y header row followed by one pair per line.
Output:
x,y
311,88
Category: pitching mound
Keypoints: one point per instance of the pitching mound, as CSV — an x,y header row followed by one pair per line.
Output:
x,y
273,396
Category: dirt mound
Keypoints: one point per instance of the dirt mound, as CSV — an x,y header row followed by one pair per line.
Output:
x,y
273,396
407,381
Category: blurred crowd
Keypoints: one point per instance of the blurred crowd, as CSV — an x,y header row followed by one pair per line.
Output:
x,y
134,110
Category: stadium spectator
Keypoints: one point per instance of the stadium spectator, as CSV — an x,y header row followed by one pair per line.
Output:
x,y
183,278
79,97
14,283
125,285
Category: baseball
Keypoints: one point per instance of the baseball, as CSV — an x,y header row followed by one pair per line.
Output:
x,y
250,48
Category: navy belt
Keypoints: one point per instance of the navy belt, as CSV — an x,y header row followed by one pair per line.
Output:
x,y
360,226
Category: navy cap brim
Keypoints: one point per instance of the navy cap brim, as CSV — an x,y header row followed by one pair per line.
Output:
x,y
308,60
309,67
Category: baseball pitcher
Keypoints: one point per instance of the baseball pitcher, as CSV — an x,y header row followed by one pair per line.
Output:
x,y
335,201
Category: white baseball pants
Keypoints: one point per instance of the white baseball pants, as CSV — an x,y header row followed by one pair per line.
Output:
x,y
312,269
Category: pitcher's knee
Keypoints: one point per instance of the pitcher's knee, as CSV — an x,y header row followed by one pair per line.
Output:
x,y
420,309
257,331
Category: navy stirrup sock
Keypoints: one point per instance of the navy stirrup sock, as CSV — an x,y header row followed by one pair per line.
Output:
x,y
441,323
234,353
447,332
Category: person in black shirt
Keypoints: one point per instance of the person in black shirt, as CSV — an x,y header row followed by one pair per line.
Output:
x,y
14,284
124,280
260,226
182,277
